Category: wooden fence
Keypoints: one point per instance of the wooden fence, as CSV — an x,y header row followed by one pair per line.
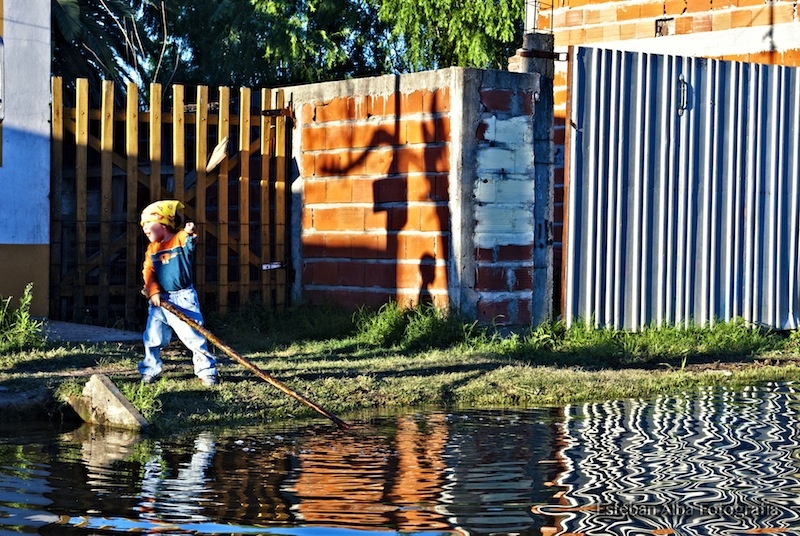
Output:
x,y
107,164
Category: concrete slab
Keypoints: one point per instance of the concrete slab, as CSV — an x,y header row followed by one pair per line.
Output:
x,y
102,403
57,331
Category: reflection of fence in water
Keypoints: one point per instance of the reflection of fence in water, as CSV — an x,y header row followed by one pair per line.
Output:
x,y
713,463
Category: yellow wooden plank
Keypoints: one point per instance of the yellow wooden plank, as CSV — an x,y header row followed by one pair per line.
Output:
x,y
179,142
56,187
132,208
223,131
281,191
155,142
245,101
201,151
81,159
267,148
106,150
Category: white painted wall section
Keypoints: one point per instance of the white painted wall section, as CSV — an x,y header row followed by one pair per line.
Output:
x,y
25,170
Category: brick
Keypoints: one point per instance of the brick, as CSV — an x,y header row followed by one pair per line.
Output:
x,y
397,218
645,29
307,273
526,102
353,162
327,164
308,165
674,7
611,32
352,274
498,100
413,103
511,253
307,113
523,279
381,275
408,276
338,136
701,23
391,190
750,3
604,14
559,18
683,25
628,11
314,192
594,34
544,20
337,109
419,131
414,246
741,18
375,219
523,317
721,20
378,162
307,218
339,190
491,278
561,38
782,13
314,138
762,16
363,190
493,311
313,245
437,101
627,31
651,10
698,6
433,218
375,105
350,218
440,191
485,254
442,129
791,58
326,273
574,17
324,219
373,134
442,246
364,246
420,187
337,245
430,158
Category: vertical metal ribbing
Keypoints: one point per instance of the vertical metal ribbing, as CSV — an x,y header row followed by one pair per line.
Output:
x,y
684,191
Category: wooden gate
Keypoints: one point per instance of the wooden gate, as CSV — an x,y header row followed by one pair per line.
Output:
x,y
109,163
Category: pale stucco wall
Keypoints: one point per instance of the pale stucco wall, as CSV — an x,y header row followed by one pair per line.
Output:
x,y
25,169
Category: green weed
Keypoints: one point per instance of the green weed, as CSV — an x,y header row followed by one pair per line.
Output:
x,y
17,328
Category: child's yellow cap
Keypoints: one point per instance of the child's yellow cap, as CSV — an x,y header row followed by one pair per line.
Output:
x,y
162,212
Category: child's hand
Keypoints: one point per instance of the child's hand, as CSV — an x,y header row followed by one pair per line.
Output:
x,y
190,227
155,299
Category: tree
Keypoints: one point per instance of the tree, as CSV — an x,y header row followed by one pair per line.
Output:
x,y
98,39
271,42
444,33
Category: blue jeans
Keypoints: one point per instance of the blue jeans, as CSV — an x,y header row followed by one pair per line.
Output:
x,y
158,333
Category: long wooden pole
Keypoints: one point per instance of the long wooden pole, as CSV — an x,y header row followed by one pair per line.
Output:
x,y
250,366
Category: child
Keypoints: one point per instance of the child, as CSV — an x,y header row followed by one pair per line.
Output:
x,y
167,275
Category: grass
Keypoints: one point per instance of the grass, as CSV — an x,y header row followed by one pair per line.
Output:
x,y
395,359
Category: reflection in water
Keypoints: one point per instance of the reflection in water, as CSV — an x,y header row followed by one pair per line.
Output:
x,y
722,462
435,473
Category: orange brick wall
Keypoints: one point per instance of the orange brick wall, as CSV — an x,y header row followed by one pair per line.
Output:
x,y
595,22
420,188
375,217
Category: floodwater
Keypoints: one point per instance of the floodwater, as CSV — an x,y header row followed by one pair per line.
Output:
x,y
712,462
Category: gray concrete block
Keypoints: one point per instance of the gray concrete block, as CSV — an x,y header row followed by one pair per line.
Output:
x,y
102,403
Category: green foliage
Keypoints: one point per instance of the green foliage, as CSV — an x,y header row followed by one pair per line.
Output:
x,y
444,33
99,41
420,327
264,43
17,328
